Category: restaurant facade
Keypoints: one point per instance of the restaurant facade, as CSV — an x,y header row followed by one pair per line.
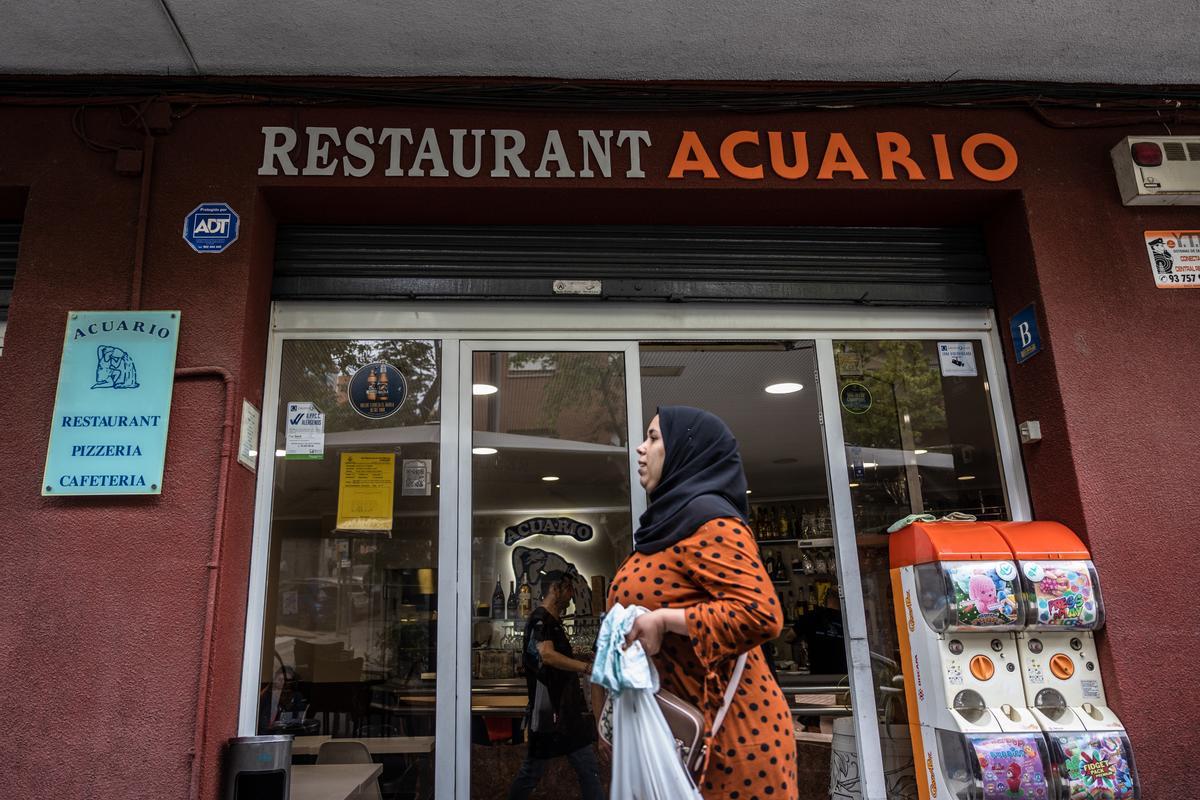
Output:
x,y
418,343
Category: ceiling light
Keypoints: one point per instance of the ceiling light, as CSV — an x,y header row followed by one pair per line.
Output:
x,y
854,486
252,453
870,465
549,477
483,388
280,453
483,451
966,477
784,388
748,491
919,452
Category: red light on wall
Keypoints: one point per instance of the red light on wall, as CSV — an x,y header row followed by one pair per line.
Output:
x,y
1146,154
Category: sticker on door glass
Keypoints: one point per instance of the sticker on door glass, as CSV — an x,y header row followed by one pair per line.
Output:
x,y
856,398
957,359
377,390
305,433
1174,258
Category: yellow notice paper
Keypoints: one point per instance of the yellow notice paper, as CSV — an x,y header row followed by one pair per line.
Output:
x,y
366,486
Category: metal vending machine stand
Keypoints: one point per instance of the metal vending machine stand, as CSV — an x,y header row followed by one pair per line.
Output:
x,y
1059,668
958,604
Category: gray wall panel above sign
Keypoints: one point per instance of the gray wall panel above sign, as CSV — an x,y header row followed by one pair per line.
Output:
x,y
886,266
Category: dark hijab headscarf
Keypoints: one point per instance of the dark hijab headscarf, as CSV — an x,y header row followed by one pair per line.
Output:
x,y
702,479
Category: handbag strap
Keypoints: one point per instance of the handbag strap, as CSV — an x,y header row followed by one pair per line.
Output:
x,y
729,691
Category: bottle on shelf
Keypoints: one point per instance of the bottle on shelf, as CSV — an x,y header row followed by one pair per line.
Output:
x,y
524,599
511,605
498,600
784,524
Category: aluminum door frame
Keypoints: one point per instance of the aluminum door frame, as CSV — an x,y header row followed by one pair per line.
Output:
x,y
465,485
545,324
447,559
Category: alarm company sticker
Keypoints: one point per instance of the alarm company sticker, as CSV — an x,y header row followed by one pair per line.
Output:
x,y
1174,258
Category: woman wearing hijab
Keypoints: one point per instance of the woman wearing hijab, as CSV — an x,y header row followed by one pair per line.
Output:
x,y
697,569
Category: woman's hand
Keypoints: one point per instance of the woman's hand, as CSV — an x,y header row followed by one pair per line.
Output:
x,y
650,628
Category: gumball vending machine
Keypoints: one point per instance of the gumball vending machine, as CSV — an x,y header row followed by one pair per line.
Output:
x,y
958,605
1059,665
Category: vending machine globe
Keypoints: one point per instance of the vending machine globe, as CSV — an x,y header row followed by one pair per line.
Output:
x,y
958,606
1059,665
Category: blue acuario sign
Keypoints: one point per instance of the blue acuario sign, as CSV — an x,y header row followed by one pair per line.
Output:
x,y
109,431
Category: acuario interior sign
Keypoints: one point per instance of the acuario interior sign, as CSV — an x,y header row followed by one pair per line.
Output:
x,y
600,154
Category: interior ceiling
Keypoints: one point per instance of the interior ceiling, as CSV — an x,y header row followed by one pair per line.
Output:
x,y
770,428
802,40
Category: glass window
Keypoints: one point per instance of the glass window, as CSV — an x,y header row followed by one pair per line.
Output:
x,y
350,626
767,393
550,503
920,438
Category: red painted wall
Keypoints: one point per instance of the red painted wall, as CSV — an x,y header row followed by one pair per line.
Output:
x,y
106,602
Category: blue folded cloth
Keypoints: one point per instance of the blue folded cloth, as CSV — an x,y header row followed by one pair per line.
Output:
x,y
619,667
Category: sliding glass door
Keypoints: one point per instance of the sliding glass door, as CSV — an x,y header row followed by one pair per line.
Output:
x,y
421,486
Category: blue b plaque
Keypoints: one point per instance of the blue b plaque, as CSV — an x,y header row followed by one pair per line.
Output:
x,y
109,432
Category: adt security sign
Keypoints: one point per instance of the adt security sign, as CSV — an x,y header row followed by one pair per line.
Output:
x,y
1027,342
211,227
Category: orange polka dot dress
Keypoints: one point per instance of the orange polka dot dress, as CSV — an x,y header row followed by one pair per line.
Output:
x,y
732,608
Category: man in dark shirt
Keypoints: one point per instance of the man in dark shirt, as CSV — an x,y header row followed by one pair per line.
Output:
x,y
822,629
564,728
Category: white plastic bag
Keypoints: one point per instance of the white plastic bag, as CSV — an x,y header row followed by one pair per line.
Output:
x,y
645,765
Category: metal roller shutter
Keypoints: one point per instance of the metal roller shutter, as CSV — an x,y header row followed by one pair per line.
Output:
x,y
887,266
10,234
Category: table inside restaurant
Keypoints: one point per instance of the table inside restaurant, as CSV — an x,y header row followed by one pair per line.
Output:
x,y
332,781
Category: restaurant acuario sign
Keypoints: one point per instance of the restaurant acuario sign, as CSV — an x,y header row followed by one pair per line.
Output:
x,y
601,154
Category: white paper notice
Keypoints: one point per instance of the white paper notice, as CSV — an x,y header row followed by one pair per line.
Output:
x,y
305,432
416,472
958,359
248,444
